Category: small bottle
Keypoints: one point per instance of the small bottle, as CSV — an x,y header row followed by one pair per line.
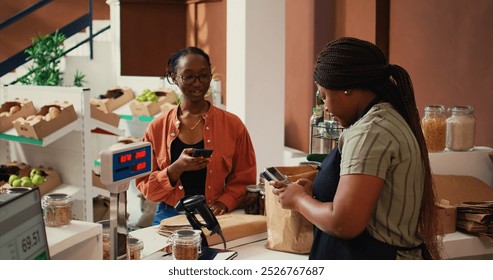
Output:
x,y
434,129
313,126
461,128
57,209
216,92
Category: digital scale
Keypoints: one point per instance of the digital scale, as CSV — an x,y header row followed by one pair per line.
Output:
x,y
120,165
22,229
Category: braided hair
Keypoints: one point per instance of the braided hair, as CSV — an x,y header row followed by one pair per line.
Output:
x,y
174,59
348,63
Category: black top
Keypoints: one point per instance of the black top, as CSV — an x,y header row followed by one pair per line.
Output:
x,y
193,182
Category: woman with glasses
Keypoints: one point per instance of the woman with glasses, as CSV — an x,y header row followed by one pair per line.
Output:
x,y
373,197
197,124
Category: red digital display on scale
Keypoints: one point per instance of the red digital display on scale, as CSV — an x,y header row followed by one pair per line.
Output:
x,y
125,157
128,157
139,166
140,154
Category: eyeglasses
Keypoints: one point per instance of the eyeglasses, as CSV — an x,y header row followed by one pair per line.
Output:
x,y
190,79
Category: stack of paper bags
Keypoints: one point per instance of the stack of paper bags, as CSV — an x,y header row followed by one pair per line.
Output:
x,y
476,218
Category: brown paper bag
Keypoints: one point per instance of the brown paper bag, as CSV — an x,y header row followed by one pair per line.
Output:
x,y
288,231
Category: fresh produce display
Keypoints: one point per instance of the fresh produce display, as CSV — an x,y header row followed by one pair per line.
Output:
x,y
147,95
53,112
35,178
14,109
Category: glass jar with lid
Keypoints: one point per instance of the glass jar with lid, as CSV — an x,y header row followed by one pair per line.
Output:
x,y
106,239
461,128
434,128
57,209
185,244
252,200
135,248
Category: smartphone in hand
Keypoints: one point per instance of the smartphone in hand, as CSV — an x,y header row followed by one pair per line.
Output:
x,y
273,174
206,153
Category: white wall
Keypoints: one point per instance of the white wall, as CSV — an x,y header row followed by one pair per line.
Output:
x,y
255,69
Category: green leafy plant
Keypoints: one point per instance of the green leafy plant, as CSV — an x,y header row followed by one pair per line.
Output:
x,y
79,79
46,53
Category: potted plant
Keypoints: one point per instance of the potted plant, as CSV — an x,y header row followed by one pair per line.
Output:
x,y
46,53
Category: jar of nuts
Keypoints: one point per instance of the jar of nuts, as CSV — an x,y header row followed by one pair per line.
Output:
x,y
185,244
135,248
57,209
434,128
106,239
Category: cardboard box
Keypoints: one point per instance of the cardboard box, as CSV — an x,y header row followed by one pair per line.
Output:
x,y
114,98
167,106
96,182
39,127
129,140
451,191
109,118
447,217
52,180
25,108
150,108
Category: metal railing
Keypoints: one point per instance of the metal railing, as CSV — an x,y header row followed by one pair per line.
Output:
x,y
68,30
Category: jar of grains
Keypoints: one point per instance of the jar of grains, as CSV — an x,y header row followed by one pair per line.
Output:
x,y
185,244
434,129
57,209
106,239
461,128
135,248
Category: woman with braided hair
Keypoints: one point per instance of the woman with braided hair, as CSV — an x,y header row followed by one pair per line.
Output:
x,y
373,197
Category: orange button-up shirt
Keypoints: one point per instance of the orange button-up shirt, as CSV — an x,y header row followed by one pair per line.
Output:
x,y
231,168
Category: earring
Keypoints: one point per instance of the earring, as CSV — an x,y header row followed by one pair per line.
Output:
x,y
346,92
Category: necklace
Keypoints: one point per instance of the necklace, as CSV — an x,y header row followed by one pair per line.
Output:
x,y
197,123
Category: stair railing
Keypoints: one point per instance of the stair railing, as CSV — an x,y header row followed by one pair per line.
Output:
x,y
68,30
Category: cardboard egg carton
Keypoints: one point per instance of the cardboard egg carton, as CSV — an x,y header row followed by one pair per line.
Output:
x,y
11,110
44,122
150,108
113,99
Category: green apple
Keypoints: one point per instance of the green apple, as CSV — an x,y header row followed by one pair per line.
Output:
x,y
35,171
38,180
16,183
27,183
12,178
